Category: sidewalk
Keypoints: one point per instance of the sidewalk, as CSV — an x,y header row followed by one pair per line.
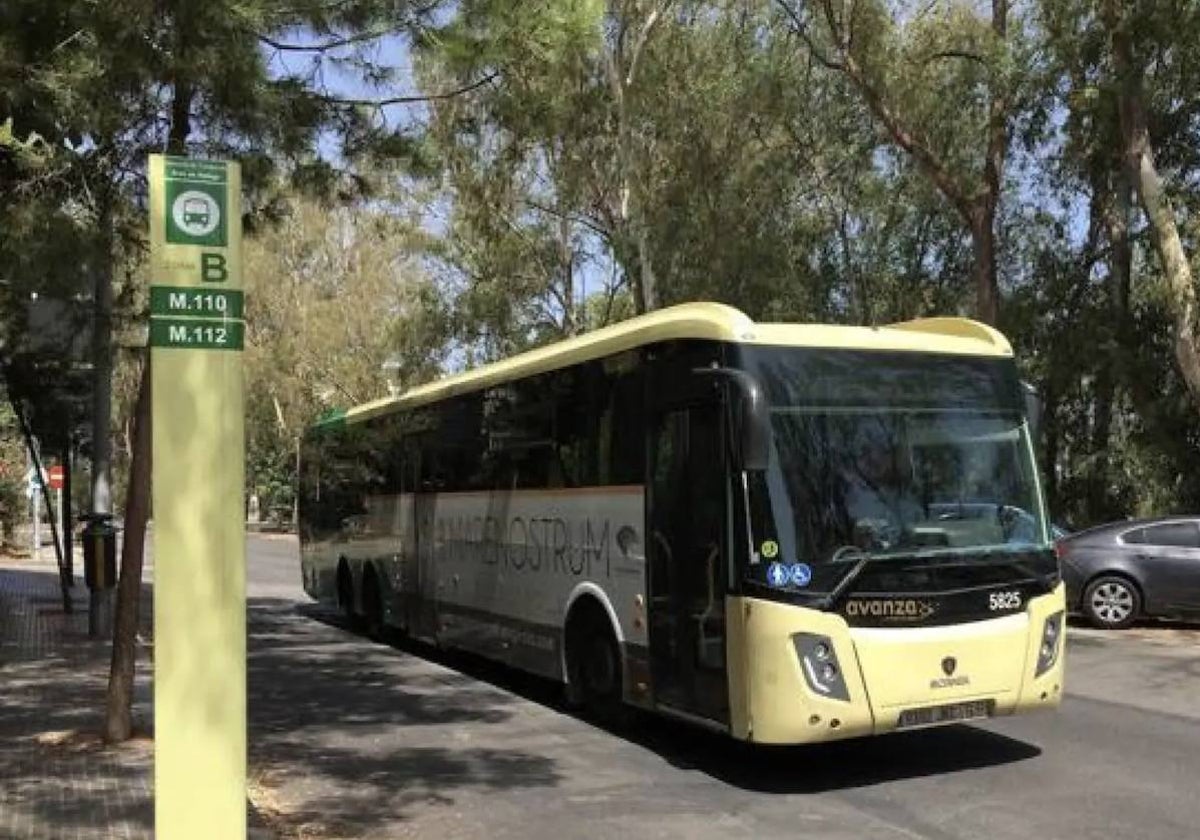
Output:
x,y
57,779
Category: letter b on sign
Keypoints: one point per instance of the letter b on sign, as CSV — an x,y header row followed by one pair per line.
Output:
x,y
212,268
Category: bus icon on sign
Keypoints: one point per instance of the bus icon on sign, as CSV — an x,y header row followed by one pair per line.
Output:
x,y
195,214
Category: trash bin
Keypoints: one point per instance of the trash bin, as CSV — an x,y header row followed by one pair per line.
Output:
x,y
100,552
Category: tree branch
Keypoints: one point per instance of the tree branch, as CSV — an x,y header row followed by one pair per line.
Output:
x,y
800,28
964,54
642,37
326,46
909,142
569,217
409,98
836,28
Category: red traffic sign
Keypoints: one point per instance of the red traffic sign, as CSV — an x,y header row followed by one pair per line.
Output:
x,y
55,475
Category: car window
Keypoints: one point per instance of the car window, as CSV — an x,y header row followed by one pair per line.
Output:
x,y
1136,536
1179,534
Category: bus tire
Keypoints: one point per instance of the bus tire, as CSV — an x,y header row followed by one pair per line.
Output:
x,y
593,662
345,592
372,601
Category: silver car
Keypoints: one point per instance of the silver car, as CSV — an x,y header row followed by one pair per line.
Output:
x,y
1122,571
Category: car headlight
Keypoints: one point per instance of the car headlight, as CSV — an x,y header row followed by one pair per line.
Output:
x,y
1051,643
819,662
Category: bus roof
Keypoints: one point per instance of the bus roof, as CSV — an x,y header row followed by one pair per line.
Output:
x,y
712,321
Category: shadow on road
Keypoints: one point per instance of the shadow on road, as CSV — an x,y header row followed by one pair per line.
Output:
x,y
346,736
798,769
840,765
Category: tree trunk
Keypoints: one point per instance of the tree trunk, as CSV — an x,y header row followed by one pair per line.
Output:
x,y
976,205
1112,375
66,516
1139,161
118,718
983,271
983,233
621,70
626,252
102,365
566,261
649,283
118,723
1050,438
35,457
65,582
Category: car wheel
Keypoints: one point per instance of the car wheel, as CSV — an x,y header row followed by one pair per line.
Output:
x,y
1111,602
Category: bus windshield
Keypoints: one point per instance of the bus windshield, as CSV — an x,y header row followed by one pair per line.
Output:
x,y
889,455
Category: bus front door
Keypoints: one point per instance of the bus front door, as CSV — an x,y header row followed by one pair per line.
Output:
x,y
687,562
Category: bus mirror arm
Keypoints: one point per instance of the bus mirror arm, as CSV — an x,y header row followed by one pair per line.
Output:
x,y
755,427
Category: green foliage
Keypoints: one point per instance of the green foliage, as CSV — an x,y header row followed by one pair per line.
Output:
x,y
336,307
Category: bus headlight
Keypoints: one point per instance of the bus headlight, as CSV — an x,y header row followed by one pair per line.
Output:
x,y
1048,652
819,662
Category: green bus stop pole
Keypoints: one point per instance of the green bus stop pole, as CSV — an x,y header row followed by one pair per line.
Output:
x,y
196,334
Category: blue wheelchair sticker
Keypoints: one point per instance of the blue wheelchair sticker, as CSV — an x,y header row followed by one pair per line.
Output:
x,y
777,574
800,574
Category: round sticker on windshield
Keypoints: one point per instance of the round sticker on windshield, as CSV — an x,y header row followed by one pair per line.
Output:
x,y
778,574
770,549
800,574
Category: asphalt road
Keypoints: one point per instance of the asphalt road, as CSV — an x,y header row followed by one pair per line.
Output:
x,y
352,738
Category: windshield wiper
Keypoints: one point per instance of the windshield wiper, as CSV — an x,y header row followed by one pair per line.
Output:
x,y
1047,581
830,600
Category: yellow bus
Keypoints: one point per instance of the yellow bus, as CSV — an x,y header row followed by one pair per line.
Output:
x,y
789,533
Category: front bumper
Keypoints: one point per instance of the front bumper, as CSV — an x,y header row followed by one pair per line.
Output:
x,y
886,670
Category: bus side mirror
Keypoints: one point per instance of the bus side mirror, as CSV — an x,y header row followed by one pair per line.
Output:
x,y
753,416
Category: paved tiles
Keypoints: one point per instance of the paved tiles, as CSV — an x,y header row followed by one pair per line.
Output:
x,y
56,778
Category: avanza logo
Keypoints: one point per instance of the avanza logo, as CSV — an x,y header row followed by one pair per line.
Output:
x,y
896,609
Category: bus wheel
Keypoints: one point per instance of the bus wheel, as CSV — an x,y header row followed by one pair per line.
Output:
x,y
372,605
345,593
595,666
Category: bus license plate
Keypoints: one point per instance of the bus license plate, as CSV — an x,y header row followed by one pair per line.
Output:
x,y
950,713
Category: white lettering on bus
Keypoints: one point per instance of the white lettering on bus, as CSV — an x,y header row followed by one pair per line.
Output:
x,y
530,544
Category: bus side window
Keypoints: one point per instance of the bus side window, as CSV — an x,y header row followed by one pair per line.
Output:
x,y
451,446
577,395
624,460
515,429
